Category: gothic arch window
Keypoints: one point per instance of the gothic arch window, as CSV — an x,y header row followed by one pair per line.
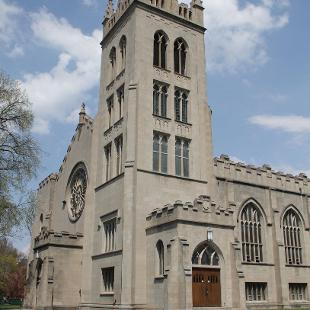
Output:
x,y
122,46
160,49
180,56
251,233
160,96
76,192
292,228
160,153
160,258
112,57
205,254
181,105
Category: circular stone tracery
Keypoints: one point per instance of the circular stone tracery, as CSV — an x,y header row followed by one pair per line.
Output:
x,y
78,187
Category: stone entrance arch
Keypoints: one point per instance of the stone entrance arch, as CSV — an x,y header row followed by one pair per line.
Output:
x,y
206,279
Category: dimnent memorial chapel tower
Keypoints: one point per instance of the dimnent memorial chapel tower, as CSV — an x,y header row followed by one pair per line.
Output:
x,y
140,215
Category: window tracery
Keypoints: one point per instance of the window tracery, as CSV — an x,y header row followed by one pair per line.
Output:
x,y
160,96
78,187
205,255
181,105
251,234
292,238
160,49
180,55
160,153
182,157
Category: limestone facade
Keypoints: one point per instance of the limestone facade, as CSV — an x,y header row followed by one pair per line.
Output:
x,y
140,214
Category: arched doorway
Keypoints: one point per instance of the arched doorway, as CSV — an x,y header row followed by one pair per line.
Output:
x,y
206,280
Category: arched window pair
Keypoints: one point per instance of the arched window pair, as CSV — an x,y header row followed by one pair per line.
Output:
x,y
251,221
160,53
113,57
160,258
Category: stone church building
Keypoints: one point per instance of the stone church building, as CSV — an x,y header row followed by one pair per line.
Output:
x,y
140,214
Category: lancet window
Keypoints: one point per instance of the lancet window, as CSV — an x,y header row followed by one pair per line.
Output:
x,y
181,105
122,46
182,157
160,96
160,153
112,57
160,49
180,56
160,259
292,237
251,234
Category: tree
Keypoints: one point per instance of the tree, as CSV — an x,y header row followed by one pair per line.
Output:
x,y
13,267
19,152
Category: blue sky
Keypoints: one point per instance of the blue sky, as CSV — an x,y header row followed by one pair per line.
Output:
x,y
258,75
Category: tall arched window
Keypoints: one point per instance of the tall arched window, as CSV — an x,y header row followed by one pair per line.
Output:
x,y
160,49
160,153
180,51
205,255
251,234
160,95
292,237
122,46
181,105
112,57
160,259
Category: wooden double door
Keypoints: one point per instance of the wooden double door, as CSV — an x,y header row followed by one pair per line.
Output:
x,y
206,287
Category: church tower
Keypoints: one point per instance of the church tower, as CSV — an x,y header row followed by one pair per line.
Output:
x,y
153,136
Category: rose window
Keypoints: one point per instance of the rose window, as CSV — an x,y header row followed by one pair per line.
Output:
x,y
77,196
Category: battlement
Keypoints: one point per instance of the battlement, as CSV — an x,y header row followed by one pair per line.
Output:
x,y
202,209
192,12
48,179
261,176
57,238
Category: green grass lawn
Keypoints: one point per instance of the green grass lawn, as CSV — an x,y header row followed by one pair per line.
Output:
x,y
7,306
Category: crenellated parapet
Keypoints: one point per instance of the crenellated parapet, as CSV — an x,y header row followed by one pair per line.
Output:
x,y
203,209
51,178
63,238
192,12
263,176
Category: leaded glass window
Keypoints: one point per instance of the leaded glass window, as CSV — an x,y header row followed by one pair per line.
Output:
x,y
251,234
160,95
180,53
292,238
182,157
181,105
160,49
160,153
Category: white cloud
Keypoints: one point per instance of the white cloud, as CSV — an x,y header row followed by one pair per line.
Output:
x,y
236,36
16,52
290,123
89,2
56,93
8,25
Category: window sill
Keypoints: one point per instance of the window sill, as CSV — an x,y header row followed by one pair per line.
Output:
x,y
183,123
162,117
182,75
257,263
160,68
120,74
107,294
159,277
298,266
